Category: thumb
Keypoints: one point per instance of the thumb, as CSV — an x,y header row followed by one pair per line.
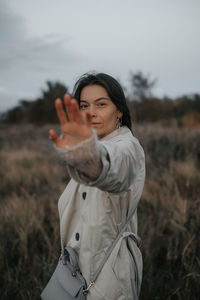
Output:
x,y
53,136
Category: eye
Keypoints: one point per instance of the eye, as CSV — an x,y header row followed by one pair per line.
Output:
x,y
83,106
101,104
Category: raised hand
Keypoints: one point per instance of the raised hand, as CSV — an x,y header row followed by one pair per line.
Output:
x,y
76,128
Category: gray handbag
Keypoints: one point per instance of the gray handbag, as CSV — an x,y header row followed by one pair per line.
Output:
x,y
67,281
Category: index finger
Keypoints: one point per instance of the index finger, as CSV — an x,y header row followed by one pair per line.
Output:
x,y
60,112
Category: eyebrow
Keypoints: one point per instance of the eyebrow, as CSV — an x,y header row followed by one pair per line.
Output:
x,y
96,100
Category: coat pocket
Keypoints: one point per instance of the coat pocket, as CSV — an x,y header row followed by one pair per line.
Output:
x,y
107,285
128,266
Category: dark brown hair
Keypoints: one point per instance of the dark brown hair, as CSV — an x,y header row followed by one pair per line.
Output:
x,y
113,89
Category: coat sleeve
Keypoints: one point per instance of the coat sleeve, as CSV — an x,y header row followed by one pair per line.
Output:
x,y
122,161
83,157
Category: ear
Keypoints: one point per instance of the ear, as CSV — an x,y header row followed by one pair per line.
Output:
x,y
119,114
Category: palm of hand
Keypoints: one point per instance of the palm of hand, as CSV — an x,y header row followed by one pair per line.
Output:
x,y
74,130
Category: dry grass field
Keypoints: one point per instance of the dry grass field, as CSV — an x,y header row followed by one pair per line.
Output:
x,y
32,177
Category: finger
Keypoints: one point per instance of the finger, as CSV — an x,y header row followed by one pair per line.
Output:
x,y
68,107
60,112
76,112
83,117
88,119
53,136
72,109
67,99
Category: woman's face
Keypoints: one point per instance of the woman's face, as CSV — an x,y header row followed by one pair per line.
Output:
x,y
95,99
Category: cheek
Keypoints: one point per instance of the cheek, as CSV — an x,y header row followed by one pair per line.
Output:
x,y
109,118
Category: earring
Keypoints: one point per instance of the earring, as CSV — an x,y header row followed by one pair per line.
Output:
x,y
119,122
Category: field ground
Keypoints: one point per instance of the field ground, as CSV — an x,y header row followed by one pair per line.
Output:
x,y
32,177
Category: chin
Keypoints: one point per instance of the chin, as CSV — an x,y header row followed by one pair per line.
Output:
x,y
100,134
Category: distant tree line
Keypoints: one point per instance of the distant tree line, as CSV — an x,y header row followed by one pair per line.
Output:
x,y
39,111
183,111
144,107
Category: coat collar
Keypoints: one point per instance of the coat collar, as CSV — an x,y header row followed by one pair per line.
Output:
x,y
121,130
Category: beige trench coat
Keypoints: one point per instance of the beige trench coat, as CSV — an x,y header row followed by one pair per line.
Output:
x,y
92,212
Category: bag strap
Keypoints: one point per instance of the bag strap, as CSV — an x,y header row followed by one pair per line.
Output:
x,y
71,256
94,278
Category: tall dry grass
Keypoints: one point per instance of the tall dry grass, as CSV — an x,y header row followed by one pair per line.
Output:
x,y
31,181
32,178
169,213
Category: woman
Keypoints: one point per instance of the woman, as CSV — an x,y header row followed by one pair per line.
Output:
x,y
107,167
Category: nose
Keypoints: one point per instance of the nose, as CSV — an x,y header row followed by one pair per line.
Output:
x,y
93,111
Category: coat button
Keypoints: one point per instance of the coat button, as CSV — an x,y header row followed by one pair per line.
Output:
x,y
77,236
84,195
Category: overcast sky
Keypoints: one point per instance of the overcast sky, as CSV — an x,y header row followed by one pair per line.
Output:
x,y
60,40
